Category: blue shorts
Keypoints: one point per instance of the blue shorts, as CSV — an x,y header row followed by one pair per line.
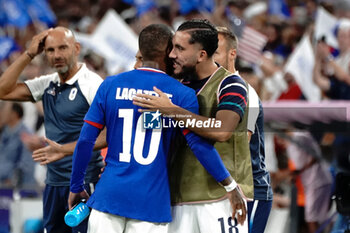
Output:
x,y
258,214
55,202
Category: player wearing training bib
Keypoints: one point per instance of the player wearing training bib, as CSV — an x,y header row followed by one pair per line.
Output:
x,y
200,204
198,196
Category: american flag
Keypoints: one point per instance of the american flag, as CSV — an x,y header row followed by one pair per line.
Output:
x,y
251,44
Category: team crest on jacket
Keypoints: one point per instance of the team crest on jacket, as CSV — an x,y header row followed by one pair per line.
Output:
x,y
51,91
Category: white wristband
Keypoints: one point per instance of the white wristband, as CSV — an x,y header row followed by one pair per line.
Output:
x,y
231,186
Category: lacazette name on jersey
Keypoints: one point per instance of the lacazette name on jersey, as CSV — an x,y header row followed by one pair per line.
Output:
x,y
129,93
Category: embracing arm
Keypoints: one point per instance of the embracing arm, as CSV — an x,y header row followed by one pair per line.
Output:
x,y
207,156
228,119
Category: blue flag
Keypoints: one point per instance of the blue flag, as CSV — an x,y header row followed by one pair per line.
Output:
x,y
208,5
40,10
13,12
142,6
3,18
8,46
186,6
130,2
279,8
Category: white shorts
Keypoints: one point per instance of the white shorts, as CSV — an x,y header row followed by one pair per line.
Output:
x,y
205,218
110,223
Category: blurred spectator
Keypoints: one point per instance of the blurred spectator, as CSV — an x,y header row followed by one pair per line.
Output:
x,y
316,178
332,75
280,40
17,165
333,78
342,8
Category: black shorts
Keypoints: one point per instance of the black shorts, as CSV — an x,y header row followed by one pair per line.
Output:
x,y
55,204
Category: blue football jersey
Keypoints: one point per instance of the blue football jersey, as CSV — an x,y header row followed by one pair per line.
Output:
x,y
135,181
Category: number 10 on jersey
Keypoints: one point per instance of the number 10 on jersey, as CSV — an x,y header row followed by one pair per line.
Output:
x,y
129,131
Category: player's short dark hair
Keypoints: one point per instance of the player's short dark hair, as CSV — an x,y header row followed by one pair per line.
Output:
x,y
18,109
154,40
202,32
231,38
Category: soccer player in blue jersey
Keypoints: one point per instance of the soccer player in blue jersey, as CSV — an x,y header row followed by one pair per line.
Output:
x,y
259,209
66,96
132,194
200,205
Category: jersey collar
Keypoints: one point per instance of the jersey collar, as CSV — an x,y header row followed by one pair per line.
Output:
x,y
80,72
151,70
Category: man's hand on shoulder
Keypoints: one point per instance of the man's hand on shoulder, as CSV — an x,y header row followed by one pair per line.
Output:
x,y
153,103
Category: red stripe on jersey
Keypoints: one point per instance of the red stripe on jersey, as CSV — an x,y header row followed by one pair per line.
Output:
x,y
97,125
185,132
235,94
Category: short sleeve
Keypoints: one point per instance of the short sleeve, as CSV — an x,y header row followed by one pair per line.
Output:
x,y
89,85
233,95
253,108
37,86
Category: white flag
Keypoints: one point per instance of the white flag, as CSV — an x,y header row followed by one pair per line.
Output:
x,y
300,64
86,42
116,42
113,40
324,26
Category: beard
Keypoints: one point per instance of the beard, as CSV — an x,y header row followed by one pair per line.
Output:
x,y
188,73
62,70
67,64
169,69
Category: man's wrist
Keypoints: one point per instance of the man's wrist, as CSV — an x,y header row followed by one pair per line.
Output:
x,y
231,186
30,55
76,188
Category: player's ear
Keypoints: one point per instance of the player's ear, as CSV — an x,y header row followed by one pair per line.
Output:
x,y
233,54
202,55
77,48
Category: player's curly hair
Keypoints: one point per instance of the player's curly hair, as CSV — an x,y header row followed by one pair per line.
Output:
x,y
154,41
202,32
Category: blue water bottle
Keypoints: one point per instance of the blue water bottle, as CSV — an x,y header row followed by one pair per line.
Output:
x,y
76,215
